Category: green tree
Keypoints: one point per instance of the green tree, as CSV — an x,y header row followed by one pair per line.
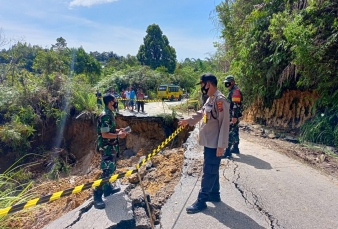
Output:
x,y
60,45
86,64
156,51
49,61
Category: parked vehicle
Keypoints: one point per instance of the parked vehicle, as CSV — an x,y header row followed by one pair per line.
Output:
x,y
170,92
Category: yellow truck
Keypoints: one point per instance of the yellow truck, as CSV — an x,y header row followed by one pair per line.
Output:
x,y
170,92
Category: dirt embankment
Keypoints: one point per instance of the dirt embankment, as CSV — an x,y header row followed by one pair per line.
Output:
x,y
288,112
79,141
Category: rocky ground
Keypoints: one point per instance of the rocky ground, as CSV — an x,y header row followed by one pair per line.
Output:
x,y
161,176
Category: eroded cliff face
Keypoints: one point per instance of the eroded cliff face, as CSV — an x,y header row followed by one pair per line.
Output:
x,y
146,134
290,111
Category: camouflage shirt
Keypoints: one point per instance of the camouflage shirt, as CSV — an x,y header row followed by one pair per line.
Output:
x,y
235,99
106,123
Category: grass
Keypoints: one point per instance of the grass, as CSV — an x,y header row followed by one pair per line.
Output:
x,y
16,187
325,149
321,129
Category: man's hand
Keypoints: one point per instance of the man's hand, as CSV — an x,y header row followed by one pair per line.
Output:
x,y
122,134
183,122
233,120
220,152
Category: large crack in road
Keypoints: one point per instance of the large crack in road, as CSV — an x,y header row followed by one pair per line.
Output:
x,y
82,211
257,204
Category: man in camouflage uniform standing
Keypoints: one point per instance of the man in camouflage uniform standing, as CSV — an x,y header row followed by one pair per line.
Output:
x,y
107,146
235,99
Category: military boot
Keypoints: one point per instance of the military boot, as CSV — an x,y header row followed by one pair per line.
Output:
x,y
235,149
227,153
196,207
98,202
111,189
214,198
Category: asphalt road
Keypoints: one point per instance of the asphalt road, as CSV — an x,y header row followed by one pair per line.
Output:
x,y
155,108
260,188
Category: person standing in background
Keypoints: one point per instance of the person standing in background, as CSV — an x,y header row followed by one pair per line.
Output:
x,y
123,97
98,98
140,96
127,97
235,99
132,98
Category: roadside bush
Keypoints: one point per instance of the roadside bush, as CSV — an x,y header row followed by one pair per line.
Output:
x,y
83,99
322,129
16,134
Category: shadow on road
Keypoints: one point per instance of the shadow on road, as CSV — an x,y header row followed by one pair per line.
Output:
x,y
253,161
230,217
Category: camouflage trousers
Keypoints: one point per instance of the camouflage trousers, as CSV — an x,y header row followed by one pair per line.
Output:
x,y
108,163
234,134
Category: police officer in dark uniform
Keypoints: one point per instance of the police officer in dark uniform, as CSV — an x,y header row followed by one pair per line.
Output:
x,y
107,146
235,99
214,134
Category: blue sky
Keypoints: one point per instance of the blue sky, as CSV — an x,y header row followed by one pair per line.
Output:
x,y
113,25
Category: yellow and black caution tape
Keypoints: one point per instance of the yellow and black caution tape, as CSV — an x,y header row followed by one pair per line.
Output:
x,y
145,100
159,147
80,188
58,195
193,101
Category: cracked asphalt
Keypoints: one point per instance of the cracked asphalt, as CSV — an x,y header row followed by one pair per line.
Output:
x,y
260,188
87,217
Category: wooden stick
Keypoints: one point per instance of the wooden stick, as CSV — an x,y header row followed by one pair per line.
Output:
x,y
146,200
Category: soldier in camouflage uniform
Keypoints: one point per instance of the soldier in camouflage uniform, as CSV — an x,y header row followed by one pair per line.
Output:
x,y
235,99
107,146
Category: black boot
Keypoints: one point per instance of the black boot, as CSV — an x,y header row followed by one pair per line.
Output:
x,y
213,198
227,153
98,202
196,207
111,189
235,149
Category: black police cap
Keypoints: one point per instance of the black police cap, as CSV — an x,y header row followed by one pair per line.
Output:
x,y
107,98
207,77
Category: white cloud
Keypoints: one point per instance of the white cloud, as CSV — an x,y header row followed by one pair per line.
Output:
x,y
89,2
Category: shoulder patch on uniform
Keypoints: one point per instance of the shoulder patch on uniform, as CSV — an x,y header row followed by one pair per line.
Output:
x,y
236,96
220,106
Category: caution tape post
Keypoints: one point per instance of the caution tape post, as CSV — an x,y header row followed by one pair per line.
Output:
x,y
80,188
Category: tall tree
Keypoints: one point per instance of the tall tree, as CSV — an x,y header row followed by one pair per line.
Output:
x,y
88,65
60,45
156,51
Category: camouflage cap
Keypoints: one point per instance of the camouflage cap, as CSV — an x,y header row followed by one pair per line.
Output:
x,y
229,78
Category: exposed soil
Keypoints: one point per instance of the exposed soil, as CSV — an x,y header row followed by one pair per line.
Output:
x,y
290,111
160,176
